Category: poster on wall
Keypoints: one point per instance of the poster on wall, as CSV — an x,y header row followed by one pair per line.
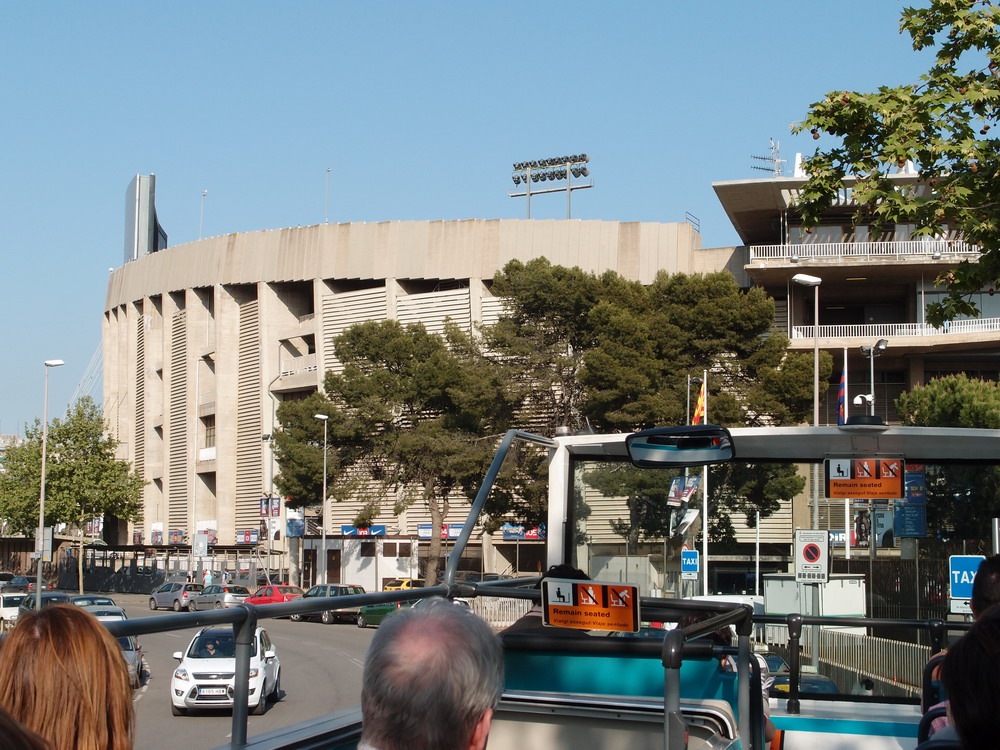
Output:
x,y
295,525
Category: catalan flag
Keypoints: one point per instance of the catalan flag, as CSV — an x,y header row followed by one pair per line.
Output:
x,y
699,408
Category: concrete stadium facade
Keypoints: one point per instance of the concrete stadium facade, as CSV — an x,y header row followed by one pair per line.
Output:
x,y
203,340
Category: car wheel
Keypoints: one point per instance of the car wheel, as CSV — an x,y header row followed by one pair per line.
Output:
x,y
152,604
177,711
327,617
218,605
295,618
261,708
177,605
362,622
192,607
276,693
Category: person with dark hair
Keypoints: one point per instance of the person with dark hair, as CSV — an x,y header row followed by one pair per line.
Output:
x,y
986,586
971,675
63,677
985,594
532,622
432,677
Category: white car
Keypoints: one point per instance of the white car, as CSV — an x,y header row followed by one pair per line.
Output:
x,y
205,676
8,607
106,614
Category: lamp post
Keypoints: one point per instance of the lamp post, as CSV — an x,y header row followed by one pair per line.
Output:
x,y
201,221
871,352
814,281
40,541
322,516
326,197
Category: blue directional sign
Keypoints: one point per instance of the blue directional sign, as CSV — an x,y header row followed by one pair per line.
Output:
x,y
689,563
962,572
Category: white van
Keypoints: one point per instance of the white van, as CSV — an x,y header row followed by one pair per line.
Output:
x,y
8,608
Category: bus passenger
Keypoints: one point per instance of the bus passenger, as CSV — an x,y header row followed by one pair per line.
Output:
x,y
432,677
62,676
971,675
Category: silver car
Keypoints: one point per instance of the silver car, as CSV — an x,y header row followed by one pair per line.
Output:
x,y
218,596
327,616
176,595
132,653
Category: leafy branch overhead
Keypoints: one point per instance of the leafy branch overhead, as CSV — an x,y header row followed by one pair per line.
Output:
x,y
944,125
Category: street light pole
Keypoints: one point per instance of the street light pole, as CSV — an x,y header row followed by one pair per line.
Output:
x,y
322,516
40,540
814,281
326,197
871,352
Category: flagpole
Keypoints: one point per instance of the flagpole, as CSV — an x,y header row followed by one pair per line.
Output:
x,y
704,491
847,502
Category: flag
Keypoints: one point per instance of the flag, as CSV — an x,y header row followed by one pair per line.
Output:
x,y
842,397
699,408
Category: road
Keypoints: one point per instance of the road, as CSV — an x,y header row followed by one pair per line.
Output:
x,y
320,673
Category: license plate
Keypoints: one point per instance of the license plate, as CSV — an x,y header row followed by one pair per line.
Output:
x,y
212,691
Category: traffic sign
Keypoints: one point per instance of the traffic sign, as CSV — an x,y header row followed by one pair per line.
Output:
x,y
588,605
812,556
961,574
690,564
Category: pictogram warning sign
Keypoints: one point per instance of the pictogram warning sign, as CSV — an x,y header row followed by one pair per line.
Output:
x,y
812,556
876,478
588,605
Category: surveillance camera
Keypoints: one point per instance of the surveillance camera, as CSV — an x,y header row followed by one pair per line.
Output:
x,y
858,400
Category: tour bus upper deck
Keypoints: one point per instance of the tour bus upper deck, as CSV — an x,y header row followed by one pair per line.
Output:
x,y
556,718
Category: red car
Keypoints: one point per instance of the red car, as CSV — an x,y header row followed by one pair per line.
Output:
x,y
275,594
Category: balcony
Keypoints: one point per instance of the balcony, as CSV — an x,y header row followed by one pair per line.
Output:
x,y
895,330
853,252
296,373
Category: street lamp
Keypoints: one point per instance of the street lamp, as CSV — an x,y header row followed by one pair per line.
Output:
x,y
326,197
322,515
40,541
814,281
871,352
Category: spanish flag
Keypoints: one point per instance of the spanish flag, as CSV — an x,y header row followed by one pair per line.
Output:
x,y
699,408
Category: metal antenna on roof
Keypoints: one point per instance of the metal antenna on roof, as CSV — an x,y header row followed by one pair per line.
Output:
x,y
774,161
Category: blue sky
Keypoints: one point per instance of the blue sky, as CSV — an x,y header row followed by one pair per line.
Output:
x,y
419,108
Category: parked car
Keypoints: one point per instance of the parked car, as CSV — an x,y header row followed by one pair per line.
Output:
x,y
275,594
107,614
205,676
8,607
328,616
375,614
775,664
48,598
176,595
219,596
27,584
6,577
402,584
808,683
132,653
91,600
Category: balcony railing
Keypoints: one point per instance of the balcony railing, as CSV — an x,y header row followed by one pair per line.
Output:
x,y
887,330
305,363
907,250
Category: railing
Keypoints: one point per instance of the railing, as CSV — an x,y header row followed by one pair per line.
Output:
x,y
904,250
893,330
305,363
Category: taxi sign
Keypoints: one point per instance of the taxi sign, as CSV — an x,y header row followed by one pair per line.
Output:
x,y
880,478
588,605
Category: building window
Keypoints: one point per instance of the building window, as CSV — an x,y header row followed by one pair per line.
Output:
x,y
368,549
404,549
209,423
389,549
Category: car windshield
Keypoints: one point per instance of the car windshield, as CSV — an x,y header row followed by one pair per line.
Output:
x,y
127,642
216,645
288,589
237,590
